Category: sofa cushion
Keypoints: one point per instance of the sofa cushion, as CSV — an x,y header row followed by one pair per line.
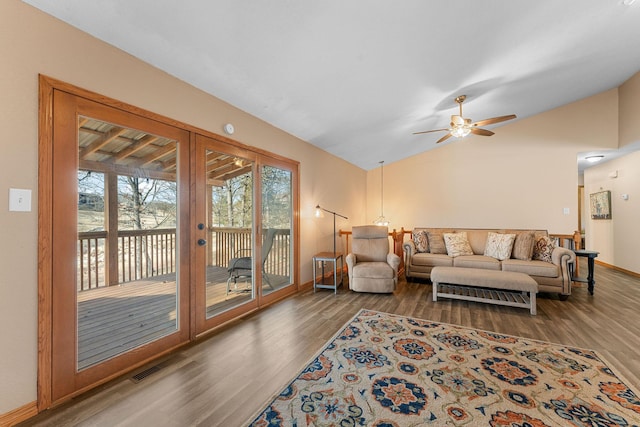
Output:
x,y
432,260
523,246
543,248
457,244
499,245
419,238
476,261
436,242
532,268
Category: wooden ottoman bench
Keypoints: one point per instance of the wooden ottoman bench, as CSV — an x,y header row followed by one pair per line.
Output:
x,y
490,286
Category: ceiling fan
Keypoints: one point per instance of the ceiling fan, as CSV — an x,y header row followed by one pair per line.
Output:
x,y
461,127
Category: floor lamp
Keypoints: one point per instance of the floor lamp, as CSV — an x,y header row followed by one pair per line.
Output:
x,y
318,209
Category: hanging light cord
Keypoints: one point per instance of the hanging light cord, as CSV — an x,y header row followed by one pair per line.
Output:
x,y
382,188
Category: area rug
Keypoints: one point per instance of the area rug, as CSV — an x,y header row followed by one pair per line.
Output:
x,y
388,370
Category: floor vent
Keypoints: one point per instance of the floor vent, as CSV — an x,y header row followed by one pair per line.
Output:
x,y
144,374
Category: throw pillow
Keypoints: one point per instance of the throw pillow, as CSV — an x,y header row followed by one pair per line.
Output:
x,y
457,244
543,248
420,240
523,246
499,245
436,243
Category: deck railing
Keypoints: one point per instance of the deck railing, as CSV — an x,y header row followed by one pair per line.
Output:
x,y
144,254
229,242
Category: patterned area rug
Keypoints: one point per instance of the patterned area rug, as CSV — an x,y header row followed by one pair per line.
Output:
x,y
388,370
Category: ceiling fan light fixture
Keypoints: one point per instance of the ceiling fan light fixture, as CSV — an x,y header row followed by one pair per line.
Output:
x,y
461,126
593,159
460,131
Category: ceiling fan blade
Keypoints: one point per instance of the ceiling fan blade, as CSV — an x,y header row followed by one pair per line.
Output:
x,y
482,132
428,131
493,120
444,138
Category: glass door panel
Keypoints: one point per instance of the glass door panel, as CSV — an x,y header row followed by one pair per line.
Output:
x,y
277,220
119,281
127,228
225,199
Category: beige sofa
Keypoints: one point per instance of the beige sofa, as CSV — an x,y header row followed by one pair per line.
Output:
x,y
552,274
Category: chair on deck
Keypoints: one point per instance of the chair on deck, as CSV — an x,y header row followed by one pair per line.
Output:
x,y
240,267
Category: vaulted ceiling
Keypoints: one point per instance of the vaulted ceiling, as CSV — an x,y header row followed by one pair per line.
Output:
x,y
357,78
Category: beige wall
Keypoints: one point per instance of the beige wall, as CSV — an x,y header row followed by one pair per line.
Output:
x,y
616,239
32,42
521,177
630,111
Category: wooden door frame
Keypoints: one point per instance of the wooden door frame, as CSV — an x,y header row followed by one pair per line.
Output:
x,y
47,87
203,325
295,223
64,380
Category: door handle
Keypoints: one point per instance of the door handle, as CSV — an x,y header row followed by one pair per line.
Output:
x,y
202,242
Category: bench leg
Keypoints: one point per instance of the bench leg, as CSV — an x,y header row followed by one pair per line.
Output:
x,y
532,299
434,285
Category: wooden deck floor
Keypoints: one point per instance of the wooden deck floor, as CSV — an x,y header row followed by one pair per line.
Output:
x,y
116,319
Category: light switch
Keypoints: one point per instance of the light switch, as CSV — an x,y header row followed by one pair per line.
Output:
x,y
19,200
565,211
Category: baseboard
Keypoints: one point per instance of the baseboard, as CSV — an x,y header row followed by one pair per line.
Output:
x,y
18,415
306,286
613,267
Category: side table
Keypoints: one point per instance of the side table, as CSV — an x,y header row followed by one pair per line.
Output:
x,y
591,256
323,258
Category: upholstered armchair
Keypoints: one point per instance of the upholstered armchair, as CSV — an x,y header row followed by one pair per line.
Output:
x,y
370,265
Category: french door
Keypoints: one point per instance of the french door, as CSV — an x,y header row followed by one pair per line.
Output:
x,y
244,246
151,235
120,283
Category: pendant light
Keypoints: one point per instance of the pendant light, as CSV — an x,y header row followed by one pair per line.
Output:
x,y
381,220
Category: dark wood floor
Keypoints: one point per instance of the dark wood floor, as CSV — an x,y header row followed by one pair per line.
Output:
x,y
225,379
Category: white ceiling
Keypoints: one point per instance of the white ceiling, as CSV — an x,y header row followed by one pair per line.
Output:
x,y
357,78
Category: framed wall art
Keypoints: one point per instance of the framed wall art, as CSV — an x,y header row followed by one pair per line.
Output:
x,y
600,205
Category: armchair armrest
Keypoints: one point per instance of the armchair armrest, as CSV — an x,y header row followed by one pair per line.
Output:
x,y
350,259
394,261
